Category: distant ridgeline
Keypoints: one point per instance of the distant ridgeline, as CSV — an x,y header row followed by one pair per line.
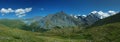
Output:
x,y
12,23
59,19
63,20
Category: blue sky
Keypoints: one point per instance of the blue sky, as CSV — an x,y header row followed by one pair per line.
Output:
x,y
45,7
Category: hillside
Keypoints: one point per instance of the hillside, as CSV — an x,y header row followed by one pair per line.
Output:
x,y
13,23
111,19
105,33
10,31
16,35
105,30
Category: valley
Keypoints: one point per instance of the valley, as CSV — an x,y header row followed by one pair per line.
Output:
x,y
17,30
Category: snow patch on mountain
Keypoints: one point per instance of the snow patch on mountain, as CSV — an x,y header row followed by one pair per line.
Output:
x,y
101,14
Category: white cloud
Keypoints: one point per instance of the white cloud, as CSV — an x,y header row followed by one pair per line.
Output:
x,y
6,11
18,12
22,12
28,9
21,15
10,10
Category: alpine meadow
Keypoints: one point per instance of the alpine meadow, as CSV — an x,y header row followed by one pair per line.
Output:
x,y
59,21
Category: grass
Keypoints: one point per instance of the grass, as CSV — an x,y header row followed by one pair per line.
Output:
x,y
10,31
65,32
12,23
16,35
105,33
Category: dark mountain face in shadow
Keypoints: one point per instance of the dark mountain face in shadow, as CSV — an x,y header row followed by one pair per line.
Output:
x,y
89,19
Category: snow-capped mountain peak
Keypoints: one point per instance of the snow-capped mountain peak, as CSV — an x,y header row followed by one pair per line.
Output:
x,y
101,14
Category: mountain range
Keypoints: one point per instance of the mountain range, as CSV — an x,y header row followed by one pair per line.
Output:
x,y
62,19
103,30
106,30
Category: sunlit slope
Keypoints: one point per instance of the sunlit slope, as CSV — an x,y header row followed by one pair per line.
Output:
x,y
15,35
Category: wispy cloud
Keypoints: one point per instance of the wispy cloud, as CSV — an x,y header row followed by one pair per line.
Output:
x,y
18,12
22,12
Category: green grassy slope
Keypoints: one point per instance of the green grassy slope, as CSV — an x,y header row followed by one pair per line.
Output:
x,y
16,35
10,32
13,23
105,33
105,30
